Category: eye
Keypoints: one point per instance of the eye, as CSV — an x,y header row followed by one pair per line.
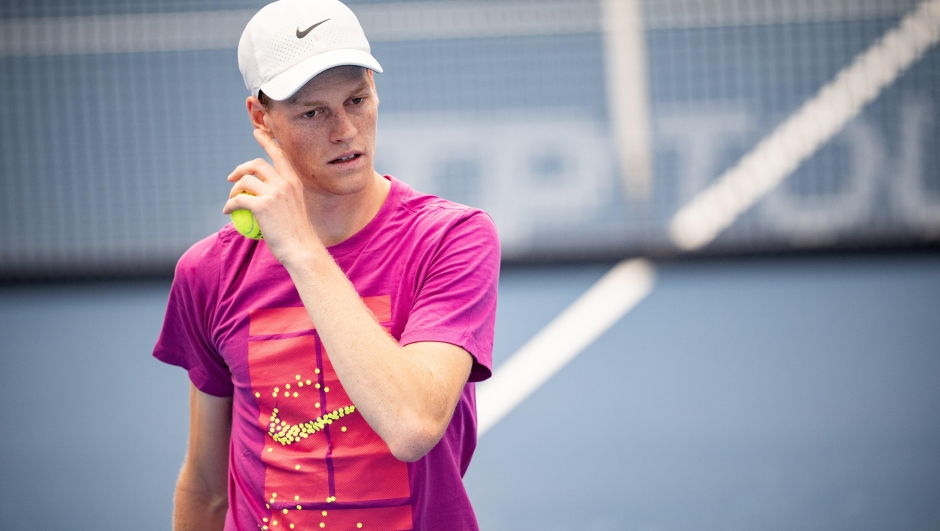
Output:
x,y
356,101
311,113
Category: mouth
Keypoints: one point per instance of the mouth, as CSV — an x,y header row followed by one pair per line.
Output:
x,y
346,158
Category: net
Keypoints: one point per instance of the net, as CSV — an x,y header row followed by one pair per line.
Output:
x,y
585,128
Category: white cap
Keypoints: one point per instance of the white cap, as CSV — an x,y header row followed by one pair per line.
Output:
x,y
288,42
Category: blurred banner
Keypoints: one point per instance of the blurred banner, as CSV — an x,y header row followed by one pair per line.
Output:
x,y
586,128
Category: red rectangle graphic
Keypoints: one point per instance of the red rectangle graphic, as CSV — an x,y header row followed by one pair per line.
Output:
x,y
267,321
270,321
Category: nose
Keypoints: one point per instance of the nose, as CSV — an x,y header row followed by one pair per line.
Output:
x,y
343,130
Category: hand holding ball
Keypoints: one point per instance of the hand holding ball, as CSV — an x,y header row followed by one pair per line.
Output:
x,y
246,223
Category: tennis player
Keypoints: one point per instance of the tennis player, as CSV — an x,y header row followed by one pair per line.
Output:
x,y
332,362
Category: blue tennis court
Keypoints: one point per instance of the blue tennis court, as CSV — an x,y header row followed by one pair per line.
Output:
x,y
740,394
769,357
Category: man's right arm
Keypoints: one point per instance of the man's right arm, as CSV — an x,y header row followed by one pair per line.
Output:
x,y
201,492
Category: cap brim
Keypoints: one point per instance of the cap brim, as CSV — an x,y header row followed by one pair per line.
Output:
x,y
285,84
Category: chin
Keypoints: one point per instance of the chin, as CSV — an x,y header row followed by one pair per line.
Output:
x,y
347,184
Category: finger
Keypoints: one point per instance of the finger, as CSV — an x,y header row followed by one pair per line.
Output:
x,y
242,201
274,151
266,141
249,184
260,168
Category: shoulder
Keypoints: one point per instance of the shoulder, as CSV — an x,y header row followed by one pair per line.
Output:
x,y
438,217
203,262
204,253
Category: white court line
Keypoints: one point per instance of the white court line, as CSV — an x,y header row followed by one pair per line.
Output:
x,y
616,293
819,119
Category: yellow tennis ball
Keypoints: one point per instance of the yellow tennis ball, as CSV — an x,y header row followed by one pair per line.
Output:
x,y
246,223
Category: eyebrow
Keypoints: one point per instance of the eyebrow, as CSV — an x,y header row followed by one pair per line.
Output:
x,y
314,103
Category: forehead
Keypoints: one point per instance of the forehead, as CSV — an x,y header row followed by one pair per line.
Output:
x,y
338,80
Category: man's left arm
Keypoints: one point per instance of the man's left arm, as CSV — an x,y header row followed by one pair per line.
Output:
x,y
406,394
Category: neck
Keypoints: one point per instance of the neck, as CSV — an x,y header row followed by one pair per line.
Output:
x,y
337,217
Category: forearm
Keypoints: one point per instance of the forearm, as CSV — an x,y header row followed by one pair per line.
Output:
x,y
407,395
401,396
197,507
201,499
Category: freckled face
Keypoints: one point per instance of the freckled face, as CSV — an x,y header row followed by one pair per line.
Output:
x,y
327,130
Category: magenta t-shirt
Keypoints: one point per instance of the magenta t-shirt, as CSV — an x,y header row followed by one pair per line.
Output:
x,y
301,456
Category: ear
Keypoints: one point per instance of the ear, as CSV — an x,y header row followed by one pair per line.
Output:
x,y
258,114
372,82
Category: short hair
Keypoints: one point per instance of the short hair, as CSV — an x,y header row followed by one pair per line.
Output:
x,y
265,100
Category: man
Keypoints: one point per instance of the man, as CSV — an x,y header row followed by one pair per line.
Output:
x,y
332,363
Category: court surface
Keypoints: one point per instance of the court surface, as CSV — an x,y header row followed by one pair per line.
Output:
x,y
794,393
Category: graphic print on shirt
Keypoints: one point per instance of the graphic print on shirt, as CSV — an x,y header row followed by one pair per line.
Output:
x,y
325,467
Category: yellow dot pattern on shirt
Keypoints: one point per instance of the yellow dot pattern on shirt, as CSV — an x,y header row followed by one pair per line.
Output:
x,y
286,433
286,392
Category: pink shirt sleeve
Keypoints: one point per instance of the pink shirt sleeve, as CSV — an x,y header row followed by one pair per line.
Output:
x,y
184,340
457,301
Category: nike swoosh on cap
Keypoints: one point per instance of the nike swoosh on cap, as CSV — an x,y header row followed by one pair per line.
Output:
x,y
302,34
